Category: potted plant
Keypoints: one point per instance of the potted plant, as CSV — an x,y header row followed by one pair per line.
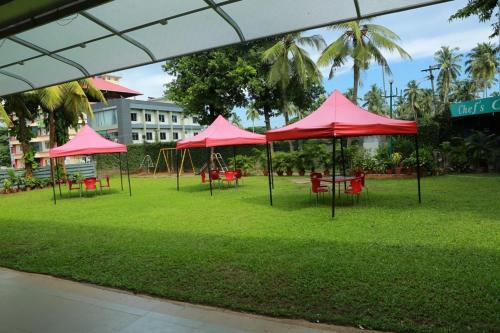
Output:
x,y
261,160
30,183
408,164
290,163
279,163
396,162
300,162
7,186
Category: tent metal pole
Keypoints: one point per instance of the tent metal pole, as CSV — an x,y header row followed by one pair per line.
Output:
x,y
128,174
418,168
121,173
53,180
177,166
234,157
334,141
270,168
343,160
269,174
209,171
59,183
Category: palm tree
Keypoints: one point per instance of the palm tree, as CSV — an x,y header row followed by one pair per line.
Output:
x,y
236,120
289,60
482,65
411,94
252,115
374,101
296,112
448,61
350,95
362,42
463,90
4,117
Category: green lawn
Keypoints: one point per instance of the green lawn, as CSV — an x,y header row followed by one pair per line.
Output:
x,y
386,263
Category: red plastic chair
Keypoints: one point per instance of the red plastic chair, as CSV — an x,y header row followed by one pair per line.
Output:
x,y
229,177
74,186
106,185
238,174
317,175
361,175
90,184
355,188
317,188
215,175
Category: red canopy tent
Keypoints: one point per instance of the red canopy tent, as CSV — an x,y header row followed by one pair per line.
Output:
x,y
220,133
89,142
339,117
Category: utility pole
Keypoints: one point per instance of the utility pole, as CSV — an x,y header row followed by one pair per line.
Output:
x,y
390,96
431,78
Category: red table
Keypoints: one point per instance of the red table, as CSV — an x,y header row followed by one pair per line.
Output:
x,y
338,180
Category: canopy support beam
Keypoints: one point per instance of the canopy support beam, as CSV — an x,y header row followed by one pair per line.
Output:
x,y
268,154
121,174
418,169
17,77
227,18
177,167
209,168
50,54
118,34
128,174
334,142
343,160
53,180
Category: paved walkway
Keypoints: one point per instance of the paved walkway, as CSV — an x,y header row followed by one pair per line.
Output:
x,y
40,303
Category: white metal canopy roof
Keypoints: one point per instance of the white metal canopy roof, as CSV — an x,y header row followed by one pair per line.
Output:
x,y
121,34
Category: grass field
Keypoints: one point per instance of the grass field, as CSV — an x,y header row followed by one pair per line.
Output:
x,y
386,263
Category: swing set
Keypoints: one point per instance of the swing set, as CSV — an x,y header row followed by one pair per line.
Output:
x,y
169,159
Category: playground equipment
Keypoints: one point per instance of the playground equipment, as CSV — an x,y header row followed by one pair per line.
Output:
x,y
146,163
219,162
169,159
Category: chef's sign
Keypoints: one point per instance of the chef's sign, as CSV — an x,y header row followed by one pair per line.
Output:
x,y
475,107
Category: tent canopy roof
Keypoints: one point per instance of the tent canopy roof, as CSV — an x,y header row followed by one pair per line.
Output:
x,y
87,142
338,117
120,34
222,133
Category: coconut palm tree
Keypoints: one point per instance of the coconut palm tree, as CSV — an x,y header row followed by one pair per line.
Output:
x,y
289,60
361,42
482,65
252,115
374,101
463,90
448,61
236,120
411,94
4,117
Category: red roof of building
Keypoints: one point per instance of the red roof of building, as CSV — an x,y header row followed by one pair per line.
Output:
x,y
338,117
87,142
222,133
106,86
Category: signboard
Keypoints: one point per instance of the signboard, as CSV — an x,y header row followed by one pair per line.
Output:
x,y
475,107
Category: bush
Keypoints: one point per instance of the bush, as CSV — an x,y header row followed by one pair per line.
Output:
x,y
280,165
245,163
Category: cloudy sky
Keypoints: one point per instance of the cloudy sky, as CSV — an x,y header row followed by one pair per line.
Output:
x,y
422,32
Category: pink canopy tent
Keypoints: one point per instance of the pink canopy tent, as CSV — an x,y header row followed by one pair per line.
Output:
x,y
339,117
89,142
220,133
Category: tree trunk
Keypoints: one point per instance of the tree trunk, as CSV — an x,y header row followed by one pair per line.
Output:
x,y
284,110
355,84
25,145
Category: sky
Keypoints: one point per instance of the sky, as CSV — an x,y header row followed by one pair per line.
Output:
x,y
423,31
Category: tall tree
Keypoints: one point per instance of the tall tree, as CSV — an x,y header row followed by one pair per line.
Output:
x,y
211,83
374,100
463,90
448,61
4,146
482,65
483,9
236,120
252,114
411,94
361,42
290,61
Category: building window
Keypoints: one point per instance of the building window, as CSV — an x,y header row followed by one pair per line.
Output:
x,y
163,136
176,136
161,118
149,136
195,120
147,117
135,136
133,116
195,133
174,119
